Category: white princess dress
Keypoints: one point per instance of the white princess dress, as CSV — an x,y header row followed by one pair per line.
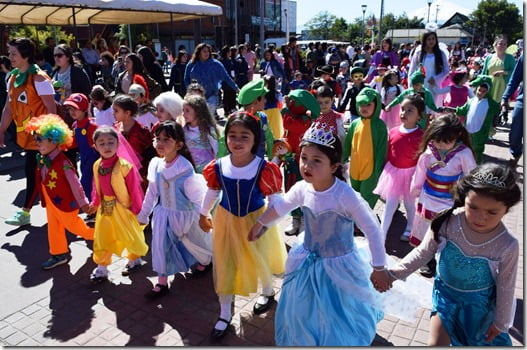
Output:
x,y
174,194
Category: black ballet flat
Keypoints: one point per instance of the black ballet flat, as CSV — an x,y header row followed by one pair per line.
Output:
x,y
152,294
217,333
261,308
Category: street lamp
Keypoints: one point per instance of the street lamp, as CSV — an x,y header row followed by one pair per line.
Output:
x,y
428,18
363,13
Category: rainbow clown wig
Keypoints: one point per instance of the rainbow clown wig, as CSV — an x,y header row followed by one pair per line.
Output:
x,y
53,128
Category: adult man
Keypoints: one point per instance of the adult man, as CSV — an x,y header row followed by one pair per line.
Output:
x,y
47,52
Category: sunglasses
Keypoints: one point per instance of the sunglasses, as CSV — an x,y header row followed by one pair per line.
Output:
x,y
59,55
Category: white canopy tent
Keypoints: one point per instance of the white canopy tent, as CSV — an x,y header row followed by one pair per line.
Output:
x,y
78,12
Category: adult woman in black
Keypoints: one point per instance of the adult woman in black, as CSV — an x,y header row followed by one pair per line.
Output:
x,y
68,79
229,94
152,67
177,72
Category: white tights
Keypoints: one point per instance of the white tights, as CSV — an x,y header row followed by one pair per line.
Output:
x,y
389,210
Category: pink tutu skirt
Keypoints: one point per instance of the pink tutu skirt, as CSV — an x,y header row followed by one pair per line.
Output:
x,y
394,182
392,118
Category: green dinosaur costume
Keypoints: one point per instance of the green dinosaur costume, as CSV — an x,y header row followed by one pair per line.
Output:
x,y
417,77
479,116
366,143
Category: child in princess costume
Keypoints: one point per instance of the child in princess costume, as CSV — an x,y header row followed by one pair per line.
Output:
x,y
252,99
473,300
301,108
60,189
244,180
365,146
445,155
479,112
117,197
327,298
174,194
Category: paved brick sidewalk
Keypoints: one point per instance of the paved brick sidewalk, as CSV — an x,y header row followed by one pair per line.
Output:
x,y
59,307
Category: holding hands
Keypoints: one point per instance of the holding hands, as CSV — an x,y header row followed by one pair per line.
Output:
x,y
256,231
381,279
205,223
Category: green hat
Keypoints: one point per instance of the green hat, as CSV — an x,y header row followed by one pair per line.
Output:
x,y
417,77
306,99
366,96
356,70
251,91
482,79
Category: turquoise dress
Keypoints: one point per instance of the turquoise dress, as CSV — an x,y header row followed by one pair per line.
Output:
x,y
327,298
464,296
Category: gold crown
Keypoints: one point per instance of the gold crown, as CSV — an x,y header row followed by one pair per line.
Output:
x,y
317,134
489,179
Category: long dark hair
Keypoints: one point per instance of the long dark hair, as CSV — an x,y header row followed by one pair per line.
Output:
x,y
197,51
175,131
203,115
491,180
137,65
270,83
248,121
148,57
438,61
445,128
67,51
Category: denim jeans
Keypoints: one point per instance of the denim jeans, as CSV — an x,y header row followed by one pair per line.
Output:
x,y
213,103
516,132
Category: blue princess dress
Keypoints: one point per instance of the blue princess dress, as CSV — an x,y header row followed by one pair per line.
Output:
x,y
475,280
174,195
327,298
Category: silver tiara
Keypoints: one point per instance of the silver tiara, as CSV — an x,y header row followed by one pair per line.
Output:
x,y
317,134
489,179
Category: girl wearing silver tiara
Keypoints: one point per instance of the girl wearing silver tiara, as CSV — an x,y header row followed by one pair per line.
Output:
x,y
473,299
327,298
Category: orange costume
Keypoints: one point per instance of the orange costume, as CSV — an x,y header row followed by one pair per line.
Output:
x,y
25,103
62,196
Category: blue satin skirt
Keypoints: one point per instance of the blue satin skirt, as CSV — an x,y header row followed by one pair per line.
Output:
x,y
327,302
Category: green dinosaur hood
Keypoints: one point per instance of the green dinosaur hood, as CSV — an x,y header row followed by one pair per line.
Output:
x,y
368,95
306,99
483,79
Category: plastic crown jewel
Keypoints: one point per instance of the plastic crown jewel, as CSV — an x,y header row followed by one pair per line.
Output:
x,y
489,179
317,134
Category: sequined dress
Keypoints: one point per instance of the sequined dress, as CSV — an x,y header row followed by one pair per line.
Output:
x,y
327,298
475,280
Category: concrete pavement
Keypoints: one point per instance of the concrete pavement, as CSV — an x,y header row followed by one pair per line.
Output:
x,y
60,308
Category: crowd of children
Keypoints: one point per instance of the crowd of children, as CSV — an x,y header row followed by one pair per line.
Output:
x,y
342,144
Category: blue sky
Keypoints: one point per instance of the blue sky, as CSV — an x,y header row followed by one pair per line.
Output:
x,y
351,9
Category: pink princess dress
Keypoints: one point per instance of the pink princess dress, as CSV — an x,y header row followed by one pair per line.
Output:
x,y
391,118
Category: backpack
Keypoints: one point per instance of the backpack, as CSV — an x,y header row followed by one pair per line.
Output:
x,y
154,88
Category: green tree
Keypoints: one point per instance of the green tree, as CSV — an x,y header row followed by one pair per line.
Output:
x,y
40,33
339,30
319,26
494,17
